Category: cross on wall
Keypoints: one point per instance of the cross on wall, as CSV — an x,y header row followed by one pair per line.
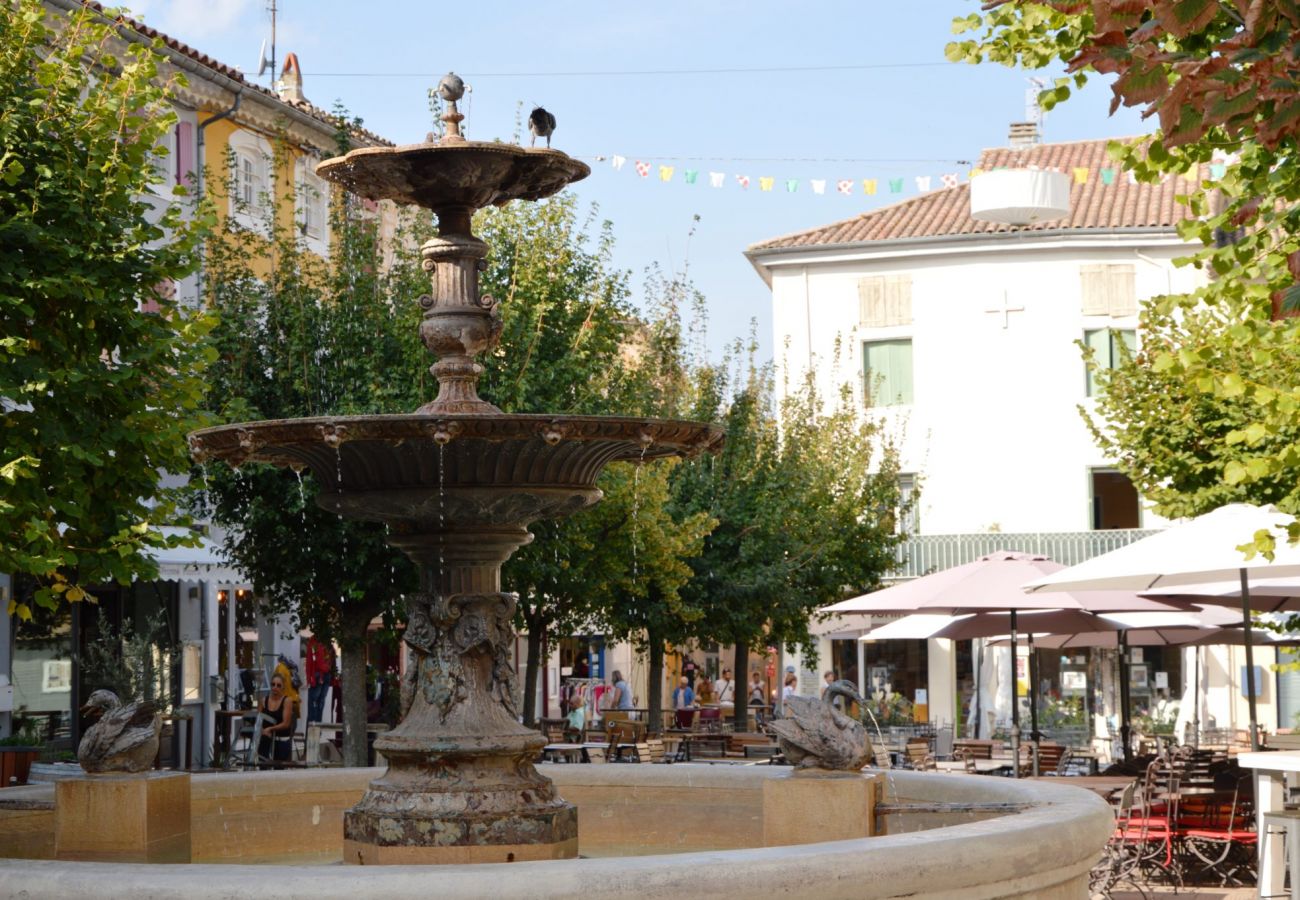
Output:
x,y
1006,309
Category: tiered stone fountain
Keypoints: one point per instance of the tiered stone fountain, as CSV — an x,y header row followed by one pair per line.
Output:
x,y
458,482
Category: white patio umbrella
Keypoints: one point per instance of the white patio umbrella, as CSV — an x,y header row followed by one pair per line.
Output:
x,y
991,583
1201,550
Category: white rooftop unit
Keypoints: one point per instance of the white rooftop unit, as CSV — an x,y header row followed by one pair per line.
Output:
x,y
1020,196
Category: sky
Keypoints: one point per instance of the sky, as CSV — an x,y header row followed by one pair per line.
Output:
x,y
824,90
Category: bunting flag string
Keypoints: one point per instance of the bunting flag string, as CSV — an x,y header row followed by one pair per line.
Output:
x,y
871,186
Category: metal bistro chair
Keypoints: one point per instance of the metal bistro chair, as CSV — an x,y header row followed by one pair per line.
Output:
x,y
1220,834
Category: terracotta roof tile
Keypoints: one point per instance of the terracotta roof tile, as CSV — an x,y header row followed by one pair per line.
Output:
x,y
1093,204
203,59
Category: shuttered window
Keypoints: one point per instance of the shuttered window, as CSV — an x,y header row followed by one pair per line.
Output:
x,y
1108,346
885,300
1108,290
887,372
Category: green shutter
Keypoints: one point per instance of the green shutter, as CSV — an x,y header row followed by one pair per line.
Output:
x,y
888,372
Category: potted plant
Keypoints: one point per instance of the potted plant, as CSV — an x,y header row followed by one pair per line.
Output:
x,y
18,752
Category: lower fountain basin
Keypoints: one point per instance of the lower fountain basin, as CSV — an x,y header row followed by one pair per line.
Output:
x,y
690,829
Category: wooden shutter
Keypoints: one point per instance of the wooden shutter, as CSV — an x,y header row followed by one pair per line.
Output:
x,y
185,153
898,300
1092,284
1121,291
885,300
871,302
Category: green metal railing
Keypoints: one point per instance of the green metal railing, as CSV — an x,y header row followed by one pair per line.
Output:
x,y
925,553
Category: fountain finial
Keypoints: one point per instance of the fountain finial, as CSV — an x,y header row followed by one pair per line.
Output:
x,y
451,88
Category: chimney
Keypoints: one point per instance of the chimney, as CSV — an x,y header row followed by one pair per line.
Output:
x,y
289,86
1023,134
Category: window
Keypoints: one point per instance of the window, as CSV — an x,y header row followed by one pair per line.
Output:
x,y
1105,344
909,514
1114,501
887,372
250,166
312,201
885,300
1108,290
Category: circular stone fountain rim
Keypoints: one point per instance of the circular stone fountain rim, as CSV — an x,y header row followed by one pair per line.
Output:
x,y
647,437
336,168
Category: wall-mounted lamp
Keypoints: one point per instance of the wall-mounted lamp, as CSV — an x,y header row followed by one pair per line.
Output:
x,y
222,597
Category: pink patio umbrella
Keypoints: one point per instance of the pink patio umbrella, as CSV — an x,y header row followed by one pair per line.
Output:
x,y
1201,550
992,583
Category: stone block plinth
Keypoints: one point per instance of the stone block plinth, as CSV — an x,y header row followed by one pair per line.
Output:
x,y
128,817
814,806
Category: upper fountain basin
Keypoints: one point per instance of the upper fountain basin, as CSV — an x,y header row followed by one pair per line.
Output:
x,y
416,469
471,174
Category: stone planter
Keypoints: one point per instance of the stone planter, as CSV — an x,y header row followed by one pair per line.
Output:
x,y
16,764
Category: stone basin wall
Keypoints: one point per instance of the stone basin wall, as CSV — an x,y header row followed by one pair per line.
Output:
x,y
1044,851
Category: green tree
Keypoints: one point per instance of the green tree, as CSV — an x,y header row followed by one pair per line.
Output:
x,y
805,495
96,395
1222,79
303,336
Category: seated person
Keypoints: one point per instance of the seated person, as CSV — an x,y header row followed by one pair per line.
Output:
x,y
276,740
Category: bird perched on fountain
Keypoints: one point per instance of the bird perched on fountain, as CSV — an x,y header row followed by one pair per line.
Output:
x,y
125,737
813,734
541,124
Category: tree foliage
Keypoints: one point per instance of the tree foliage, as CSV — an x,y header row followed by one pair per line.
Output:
x,y
96,396
1223,81
304,336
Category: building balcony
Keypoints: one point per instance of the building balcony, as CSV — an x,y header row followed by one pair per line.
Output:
x,y
922,554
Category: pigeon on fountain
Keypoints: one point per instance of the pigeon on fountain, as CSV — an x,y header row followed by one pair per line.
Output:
x,y
125,737
813,734
541,124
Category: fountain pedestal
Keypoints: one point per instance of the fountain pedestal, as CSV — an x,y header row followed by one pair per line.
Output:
x,y
461,786
141,817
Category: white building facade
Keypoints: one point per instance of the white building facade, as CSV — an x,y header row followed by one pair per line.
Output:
x,y
966,337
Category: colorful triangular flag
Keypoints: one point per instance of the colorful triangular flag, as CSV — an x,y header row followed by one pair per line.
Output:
x,y
949,179
1218,170
895,185
1080,175
844,186
791,185
618,161
1107,176
690,175
743,181
666,173
818,185
765,182
869,186
643,168
922,183
716,178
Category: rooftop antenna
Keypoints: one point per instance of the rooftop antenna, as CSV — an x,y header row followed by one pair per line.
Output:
x,y
1034,112
263,62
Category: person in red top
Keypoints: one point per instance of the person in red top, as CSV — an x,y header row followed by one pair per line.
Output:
x,y
320,672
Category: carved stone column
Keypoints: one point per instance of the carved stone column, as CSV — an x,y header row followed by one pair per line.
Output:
x,y
460,785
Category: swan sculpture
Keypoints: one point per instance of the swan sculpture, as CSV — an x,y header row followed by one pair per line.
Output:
x,y
813,734
125,737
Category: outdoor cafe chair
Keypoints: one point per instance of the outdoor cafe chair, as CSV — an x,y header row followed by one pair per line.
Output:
x,y
709,719
1218,832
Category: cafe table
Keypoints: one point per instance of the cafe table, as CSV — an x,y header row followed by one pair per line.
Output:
x,y
1271,768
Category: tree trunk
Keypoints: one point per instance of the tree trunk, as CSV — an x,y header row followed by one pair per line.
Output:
x,y
353,659
740,672
536,647
655,694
